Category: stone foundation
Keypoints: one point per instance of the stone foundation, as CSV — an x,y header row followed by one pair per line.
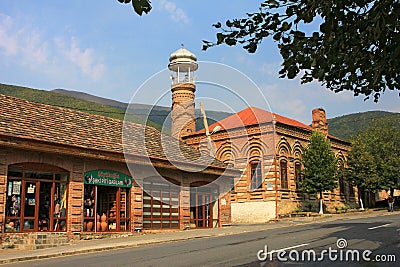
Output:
x,y
31,241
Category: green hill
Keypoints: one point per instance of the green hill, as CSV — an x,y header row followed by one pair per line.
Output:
x,y
342,127
347,126
61,100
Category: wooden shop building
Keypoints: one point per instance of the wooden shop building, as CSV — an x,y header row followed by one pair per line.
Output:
x,y
67,171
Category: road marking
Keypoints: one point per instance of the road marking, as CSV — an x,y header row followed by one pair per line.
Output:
x,y
372,228
282,249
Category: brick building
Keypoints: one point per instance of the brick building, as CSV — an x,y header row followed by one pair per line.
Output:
x,y
267,148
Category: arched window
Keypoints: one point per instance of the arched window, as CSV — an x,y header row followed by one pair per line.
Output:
x,y
297,174
284,178
256,175
342,183
36,198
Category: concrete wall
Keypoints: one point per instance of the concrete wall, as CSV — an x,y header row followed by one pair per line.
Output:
x,y
253,212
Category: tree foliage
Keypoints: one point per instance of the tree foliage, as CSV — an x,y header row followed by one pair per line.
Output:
x,y
362,167
356,48
374,160
320,166
140,6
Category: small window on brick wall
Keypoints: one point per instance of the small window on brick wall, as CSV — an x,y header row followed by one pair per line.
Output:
x,y
284,178
256,175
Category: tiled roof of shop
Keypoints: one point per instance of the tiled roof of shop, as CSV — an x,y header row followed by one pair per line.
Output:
x,y
254,116
35,121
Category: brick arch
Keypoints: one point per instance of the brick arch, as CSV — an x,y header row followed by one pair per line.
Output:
x,y
297,150
341,157
284,149
227,152
254,147
38,158
37,166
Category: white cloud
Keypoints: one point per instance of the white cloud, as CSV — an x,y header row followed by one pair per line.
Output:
x,y
84,58
20,43
8,43
24,42
175,13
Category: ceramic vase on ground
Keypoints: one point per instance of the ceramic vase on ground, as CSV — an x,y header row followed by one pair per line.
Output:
x,y
103,226
98,226
89,226
103,217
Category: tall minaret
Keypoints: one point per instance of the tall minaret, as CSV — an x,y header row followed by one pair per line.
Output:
x,y
182,64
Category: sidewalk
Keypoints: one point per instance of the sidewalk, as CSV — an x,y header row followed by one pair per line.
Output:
x,y
86,246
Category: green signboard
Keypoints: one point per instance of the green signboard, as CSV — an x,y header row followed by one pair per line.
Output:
x,y
107,178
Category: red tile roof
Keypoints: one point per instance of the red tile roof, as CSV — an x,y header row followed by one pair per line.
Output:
x,y
254,116
35,121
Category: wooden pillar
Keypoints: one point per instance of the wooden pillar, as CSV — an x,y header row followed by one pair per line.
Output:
x,y
3,186
75,198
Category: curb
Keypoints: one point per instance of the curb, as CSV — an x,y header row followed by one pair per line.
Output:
x,y
318,219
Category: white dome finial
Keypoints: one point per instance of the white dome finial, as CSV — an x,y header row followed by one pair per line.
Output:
x,y
182,59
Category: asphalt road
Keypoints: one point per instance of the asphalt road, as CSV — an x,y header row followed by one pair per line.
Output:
x,y
361,243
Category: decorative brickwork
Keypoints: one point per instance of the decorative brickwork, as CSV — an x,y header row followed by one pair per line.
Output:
x,y
182,113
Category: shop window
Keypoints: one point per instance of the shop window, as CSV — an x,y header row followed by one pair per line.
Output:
x,y
256,175
160,205
284,178
36,198
106,201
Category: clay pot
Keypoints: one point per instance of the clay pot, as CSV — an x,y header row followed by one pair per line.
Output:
x,y
89,226
98,217
103,226
103,217
98,226
84,226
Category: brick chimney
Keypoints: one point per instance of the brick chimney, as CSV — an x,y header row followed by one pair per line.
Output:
x,y
319,120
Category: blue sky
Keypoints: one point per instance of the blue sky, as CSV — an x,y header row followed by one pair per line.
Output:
x,y
104,48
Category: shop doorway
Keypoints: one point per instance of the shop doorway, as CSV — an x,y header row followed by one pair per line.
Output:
x,y
106,201
202,212
203,207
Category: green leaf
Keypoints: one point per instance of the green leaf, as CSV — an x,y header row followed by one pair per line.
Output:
x,y
217,25
230,41
220,38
